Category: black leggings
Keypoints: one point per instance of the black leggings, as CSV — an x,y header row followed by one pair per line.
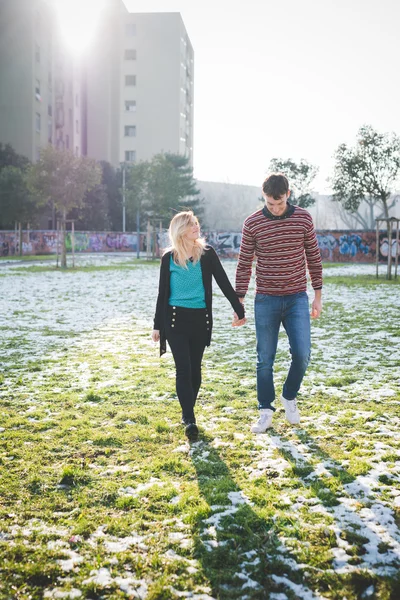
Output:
x,y
187,332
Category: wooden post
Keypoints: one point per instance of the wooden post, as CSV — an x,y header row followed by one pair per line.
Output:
x,y
377,248
148,239
397,250
20,237
159,239
58,240
389,232
73,242
63,239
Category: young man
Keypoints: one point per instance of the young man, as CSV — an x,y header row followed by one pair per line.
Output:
x,y
282,237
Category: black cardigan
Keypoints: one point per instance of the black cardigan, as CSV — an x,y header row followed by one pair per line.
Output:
x,y
210,265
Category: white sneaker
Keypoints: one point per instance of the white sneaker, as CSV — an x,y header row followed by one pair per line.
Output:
x,y
264,422
291,410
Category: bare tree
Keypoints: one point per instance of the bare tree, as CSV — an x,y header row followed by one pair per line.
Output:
x,y
64,179
367,173
300,175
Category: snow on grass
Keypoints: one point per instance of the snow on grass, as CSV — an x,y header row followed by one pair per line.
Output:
x,y
83,384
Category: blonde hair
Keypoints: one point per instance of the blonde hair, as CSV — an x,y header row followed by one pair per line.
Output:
x,y
179,246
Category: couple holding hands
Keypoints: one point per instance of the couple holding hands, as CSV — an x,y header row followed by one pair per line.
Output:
x,y
282,238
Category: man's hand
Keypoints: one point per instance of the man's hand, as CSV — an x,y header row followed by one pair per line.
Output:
x,y
316,307
155,336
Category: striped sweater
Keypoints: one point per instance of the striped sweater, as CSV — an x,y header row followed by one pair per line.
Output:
x,y
281,245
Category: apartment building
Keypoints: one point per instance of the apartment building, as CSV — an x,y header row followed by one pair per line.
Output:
x,y
129,97
139,86
156,87
39,81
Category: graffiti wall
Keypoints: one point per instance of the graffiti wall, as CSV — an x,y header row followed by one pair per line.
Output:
x,y
360,247
45,242
335,246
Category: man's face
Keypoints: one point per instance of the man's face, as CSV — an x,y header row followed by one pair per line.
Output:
x,y
277,207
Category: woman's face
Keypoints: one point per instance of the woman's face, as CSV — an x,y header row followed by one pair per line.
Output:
x,y
193,230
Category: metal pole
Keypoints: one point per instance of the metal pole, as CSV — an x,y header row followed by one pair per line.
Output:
x,y
377,248
138,233
123,198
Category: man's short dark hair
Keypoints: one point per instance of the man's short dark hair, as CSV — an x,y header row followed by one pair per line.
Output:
x,y
275,185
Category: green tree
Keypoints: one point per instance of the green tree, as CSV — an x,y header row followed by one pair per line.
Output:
x,y
300,176
101,209
10,158
63,179
16,202
160,187
367,172
137,178
111,182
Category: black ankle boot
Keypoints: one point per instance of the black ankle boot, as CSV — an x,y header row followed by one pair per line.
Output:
x,y
192,431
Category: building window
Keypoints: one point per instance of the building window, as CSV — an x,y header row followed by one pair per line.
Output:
x,y
130,130
130,155
59,88
37,91
130,54
130,29
67,141
59,116
50,131
77,126
37,121
130,79
130,105
37,53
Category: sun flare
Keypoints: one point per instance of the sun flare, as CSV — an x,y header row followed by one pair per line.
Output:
x,y
78,20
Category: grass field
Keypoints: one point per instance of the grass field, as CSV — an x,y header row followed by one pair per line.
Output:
x,y
102,496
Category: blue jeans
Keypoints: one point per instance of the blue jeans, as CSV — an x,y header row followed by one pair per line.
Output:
x,y
293,312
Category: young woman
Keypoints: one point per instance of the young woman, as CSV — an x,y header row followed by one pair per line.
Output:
x,y
184,307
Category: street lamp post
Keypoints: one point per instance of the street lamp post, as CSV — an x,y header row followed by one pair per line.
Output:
x,y
123,199
138,233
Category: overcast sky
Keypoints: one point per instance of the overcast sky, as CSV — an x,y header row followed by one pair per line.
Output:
x,y
289,78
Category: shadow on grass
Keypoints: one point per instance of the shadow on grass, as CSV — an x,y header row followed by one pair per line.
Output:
x,y
236,547
359,533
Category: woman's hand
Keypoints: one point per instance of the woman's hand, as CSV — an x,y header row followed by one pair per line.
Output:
x,y
238,322
155,336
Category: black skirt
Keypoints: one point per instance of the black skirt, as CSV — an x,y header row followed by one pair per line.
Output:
x,y
190,321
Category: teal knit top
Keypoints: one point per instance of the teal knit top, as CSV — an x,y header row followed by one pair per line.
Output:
x,y
187,288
